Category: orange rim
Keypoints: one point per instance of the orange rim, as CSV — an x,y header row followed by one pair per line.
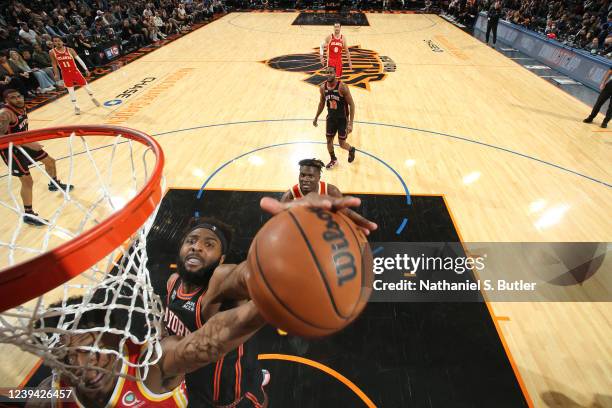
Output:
x,y
34,277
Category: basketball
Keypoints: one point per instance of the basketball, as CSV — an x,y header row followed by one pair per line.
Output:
x,y
311,271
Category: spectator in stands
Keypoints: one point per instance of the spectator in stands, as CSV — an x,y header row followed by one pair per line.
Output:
x,y
129,34
139,28
110,19
53,30
175,27
12,77
40,59
62,24
45,83
5,40
147,12
28,36
154,33
576,23
86,50
180,14
165,28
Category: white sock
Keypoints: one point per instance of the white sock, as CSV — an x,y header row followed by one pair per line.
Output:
x,y
89,91
72,96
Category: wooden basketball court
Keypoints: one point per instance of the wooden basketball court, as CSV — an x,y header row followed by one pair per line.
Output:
x,y
507,150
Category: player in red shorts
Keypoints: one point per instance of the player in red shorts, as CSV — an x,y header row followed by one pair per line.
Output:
x,y
65,58
335,44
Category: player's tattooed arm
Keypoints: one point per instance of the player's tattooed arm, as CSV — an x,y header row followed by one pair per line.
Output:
x,y
5,121
321,104
229,283
221,334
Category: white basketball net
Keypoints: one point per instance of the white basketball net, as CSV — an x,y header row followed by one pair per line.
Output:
x,y
116,292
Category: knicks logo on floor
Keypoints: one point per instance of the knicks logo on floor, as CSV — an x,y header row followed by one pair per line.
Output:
x,y
368,66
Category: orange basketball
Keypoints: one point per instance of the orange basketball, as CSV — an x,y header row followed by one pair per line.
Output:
x,y
311,271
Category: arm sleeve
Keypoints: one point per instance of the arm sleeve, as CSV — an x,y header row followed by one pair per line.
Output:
x,y
80,61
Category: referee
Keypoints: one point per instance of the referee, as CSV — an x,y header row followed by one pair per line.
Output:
x,y
492,20
606,93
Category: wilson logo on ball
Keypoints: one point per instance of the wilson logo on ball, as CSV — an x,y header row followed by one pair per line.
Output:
x,y
344,261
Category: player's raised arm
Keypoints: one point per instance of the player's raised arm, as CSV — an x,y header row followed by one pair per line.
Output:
x,y
222,333
321,105
229,284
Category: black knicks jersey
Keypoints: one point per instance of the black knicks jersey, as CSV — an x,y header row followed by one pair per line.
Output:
x,y
336,104
21,125
234,380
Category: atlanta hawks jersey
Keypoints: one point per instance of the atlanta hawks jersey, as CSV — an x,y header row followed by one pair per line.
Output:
x,y
132,394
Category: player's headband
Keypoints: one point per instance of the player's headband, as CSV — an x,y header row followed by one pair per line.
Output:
x,y
216,230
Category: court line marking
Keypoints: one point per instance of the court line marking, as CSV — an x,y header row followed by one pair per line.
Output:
x,y
227,163
325,369
462,138
500,334
505,346
402,226
391,125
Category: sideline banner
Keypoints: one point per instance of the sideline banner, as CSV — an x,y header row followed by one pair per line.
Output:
x,y
577,64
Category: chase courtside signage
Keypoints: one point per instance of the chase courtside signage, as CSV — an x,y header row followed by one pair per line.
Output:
x,y
368,66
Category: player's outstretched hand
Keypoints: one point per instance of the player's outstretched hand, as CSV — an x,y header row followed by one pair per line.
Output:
x,y
314,122
326,202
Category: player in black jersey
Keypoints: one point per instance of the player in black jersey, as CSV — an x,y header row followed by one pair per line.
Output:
x,y
236,380
340,105
14,119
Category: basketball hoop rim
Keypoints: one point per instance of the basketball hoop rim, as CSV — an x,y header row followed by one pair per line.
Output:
x,y
36,276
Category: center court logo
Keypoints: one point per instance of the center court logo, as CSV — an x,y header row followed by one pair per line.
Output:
x,y
119,99
368,66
